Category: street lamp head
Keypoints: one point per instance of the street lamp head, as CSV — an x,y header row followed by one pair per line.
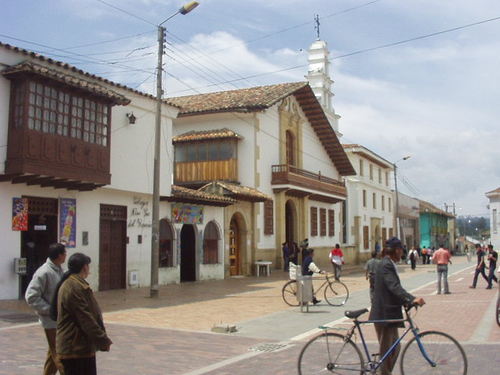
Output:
x,y
407,157
186,8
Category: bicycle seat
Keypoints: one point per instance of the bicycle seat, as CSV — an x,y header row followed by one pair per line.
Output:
x,y
355,313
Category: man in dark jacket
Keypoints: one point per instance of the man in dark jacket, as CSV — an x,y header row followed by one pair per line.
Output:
x,y
389,297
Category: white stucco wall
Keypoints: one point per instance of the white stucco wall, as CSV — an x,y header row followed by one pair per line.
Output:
x,y
132,146
495,231
355,186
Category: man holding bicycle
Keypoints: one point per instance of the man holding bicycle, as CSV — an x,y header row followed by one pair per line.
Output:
x,y
389,297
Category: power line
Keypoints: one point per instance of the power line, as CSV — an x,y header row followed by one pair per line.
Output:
x,y
126,12
299,25
367,49
110,40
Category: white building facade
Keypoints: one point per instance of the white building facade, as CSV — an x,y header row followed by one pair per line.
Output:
x,y
75,168
370,204
494,197
285,152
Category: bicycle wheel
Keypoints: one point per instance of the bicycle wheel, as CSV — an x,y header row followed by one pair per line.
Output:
x,y
336,293
330,353
289,293
441,348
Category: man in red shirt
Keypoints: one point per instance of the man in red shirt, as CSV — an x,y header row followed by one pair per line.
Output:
x,y
442,257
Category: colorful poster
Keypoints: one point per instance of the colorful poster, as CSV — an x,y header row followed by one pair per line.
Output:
x,y
67,223
186,214
20,214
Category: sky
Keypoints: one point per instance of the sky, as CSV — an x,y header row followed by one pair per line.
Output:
x,y
414,77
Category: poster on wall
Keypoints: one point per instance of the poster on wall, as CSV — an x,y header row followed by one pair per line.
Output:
x,y
67,223
187,214
20,214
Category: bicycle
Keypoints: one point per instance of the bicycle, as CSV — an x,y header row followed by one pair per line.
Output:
x,y
425,353
335,292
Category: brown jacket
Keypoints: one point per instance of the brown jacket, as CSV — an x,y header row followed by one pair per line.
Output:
x,y
80,329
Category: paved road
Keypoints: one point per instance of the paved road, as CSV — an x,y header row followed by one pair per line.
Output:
x,y
146,341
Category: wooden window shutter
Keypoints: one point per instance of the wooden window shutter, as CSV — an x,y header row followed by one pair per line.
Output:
x,y
268,217
331,223
322,221
366,239
314,221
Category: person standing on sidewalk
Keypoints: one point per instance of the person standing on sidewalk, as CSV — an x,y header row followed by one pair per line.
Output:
x,y
480,266
337,258
309,268
442,257
413,255
492,258
286,256
39,295
80,328
388,298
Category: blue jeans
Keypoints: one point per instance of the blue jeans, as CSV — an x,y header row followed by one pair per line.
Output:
x,y
442,271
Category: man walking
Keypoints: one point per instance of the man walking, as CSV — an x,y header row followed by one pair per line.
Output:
x,y
480,266
337,258
442,257
388,298
39,296
492,257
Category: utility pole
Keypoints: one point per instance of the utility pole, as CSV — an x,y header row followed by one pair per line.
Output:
x,y
155,225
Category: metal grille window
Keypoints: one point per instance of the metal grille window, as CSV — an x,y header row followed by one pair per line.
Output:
x,y
322,221
314,221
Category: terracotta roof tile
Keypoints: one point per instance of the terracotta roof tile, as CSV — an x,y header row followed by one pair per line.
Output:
x,y
182,192
70,68
205,135
66,78
493,192
235,191
253,99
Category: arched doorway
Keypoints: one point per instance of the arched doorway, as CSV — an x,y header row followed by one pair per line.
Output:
x,y
188,253
290,222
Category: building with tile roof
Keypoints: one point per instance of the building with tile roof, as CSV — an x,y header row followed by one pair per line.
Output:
x,y
273,149
75,168
370,213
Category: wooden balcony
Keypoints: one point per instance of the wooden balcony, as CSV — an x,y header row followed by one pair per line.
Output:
x,y
37,158
198,173
300,182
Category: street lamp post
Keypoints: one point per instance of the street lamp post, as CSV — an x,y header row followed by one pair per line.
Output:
x,y
155,224
398,227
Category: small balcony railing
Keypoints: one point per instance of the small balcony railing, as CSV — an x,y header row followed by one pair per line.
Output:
x,y
284,174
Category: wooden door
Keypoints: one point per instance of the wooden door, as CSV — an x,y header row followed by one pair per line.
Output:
x,y
234,248
112,247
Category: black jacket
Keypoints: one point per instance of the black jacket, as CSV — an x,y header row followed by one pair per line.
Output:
x,y
389,295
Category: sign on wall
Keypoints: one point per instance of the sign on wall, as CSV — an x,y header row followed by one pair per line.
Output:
x,y
67,223
20,214
187,214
